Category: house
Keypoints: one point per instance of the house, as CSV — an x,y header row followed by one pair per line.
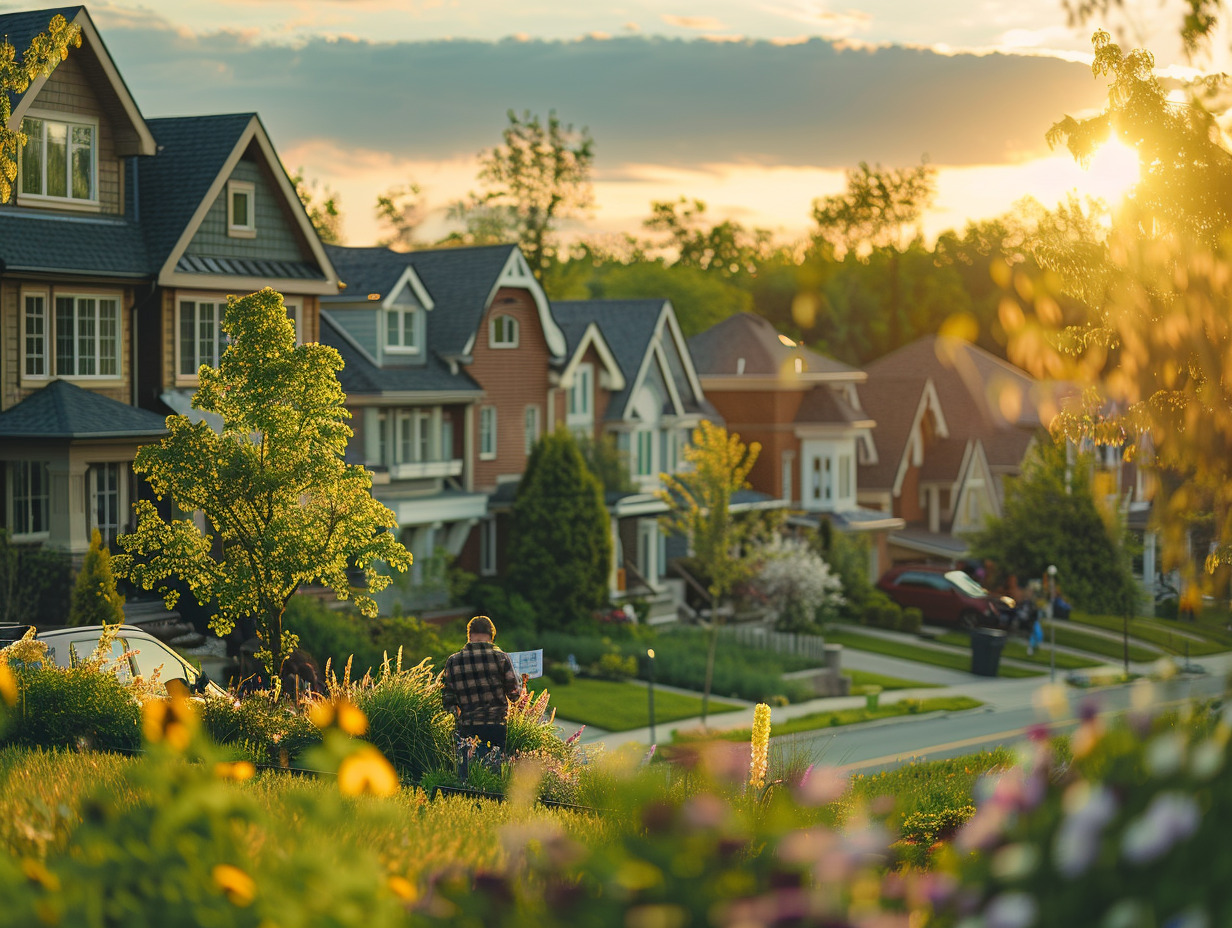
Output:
x,y
953,422
805,411
117,254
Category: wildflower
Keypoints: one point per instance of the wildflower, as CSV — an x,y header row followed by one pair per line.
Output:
x,y
8,686
1011,910
169,720
1088,809
573,738
28,650
760,746
238,885
367,773
351,718
400,886
36,872
1169,819
239,771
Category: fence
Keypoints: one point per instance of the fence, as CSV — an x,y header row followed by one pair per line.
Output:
x,y
765,639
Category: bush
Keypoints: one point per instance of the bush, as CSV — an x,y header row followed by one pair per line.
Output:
x,y
615,667
910,620
259,729
335,636
560,674
77,708
881,612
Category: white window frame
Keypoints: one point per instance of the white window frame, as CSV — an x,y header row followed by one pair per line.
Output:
x,y
531,418
53,329
487,546
487,433
408,324
788,464
295,312
580,401
643,441
80,120
237,229
99,491
220,340
21,471
45,337
508,337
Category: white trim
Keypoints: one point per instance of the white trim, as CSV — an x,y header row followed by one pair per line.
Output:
x,y
241,229
487,546
488,455
69,119
928,400
167,275
682,349
182,379
666,370
405,314
526,432
408,279
594,337
95,380
515,275
48,336
517,330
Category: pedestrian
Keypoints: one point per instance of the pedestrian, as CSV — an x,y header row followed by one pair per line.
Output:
x,y
1036,637
478,683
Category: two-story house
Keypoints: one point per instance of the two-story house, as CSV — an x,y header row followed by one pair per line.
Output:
x,y
116,258
805,411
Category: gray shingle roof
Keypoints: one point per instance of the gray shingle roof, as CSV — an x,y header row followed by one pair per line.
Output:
x,y
823,405
65,410
361,376
172,184
459,280
628,327
249,267
718,351
20,28
30,240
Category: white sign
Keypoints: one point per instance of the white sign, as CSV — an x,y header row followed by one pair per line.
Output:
x,y
527,662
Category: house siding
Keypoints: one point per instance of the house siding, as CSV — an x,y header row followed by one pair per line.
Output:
x,y
70,91
512,379
766,417
275,240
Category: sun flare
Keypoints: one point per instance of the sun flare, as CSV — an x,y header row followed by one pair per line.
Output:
x,y
1113,170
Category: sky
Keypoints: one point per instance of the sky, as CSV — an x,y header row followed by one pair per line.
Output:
x,y
756,107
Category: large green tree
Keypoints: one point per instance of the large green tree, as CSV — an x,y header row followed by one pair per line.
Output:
x,y
560,552
1051,517
400,210
47,49
282,506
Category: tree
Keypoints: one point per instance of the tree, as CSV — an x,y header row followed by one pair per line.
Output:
x,y
47,49
401,211
877,208
699,507
560,553
726,248
95,598
284,507
799,584
322,208
1050,517
537,177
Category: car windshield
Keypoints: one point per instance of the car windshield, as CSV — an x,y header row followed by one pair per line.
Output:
x,y
965,583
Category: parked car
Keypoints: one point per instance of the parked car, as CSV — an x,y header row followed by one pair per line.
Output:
x,y
67,646
944,596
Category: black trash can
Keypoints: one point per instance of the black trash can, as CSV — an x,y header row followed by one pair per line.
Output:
x,y
986,645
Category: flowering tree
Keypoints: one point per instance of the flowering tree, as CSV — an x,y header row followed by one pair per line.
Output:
x,y
798,583
284,506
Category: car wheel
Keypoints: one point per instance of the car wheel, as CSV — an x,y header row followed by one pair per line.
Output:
x,y
968,619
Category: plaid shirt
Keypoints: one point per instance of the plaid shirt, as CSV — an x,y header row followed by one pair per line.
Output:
x,y
480,681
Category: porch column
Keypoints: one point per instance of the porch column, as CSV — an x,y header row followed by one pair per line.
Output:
x,y
434,436
68,525
372,436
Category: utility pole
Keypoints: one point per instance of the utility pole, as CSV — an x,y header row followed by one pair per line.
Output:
x,y
1052,625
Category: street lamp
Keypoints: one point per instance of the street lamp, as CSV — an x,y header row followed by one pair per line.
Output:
x,y
1052,625
650,691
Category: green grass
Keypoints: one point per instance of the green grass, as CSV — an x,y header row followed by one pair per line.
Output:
x,y
618,706
910,652
1017,649
839,717
1173,637
861,679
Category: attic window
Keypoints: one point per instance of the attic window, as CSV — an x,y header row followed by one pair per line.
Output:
x,y
241,209
504,332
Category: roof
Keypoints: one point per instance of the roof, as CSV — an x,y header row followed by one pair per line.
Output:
x,y
893,405
30,240
752,339
823,404
65,410
172,185
361,376
21,28
459,280
628,327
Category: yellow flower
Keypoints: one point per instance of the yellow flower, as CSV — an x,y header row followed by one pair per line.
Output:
x,y
35,872
238,885
169,720
8,685
322,714
351,719
760,746
367,773
239,771
403,888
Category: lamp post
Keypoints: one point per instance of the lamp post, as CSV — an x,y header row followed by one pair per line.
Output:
x,y
1052,625
650,692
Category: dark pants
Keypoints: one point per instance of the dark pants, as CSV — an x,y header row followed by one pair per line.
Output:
x,y
481,742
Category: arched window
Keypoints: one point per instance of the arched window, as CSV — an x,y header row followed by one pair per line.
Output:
x,y
504,332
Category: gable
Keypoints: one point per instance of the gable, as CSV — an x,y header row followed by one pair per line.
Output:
x,y
679,374
276,238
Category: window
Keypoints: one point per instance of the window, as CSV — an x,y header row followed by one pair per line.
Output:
x,y
580,393
29,492
423,437
35,321
789,459
87,336
295,312
487,433
503,332
531,427
401,332
59,160
487,547
406,437
241,209
201,338
104,483
645,453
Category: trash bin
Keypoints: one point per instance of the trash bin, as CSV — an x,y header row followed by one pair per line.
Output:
x,y
986,645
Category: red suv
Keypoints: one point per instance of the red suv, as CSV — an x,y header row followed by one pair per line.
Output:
x,y
943,595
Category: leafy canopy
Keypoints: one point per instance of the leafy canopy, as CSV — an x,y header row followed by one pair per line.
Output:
x,y
282,506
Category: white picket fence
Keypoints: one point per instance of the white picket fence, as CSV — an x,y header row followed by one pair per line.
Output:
x,y
765,639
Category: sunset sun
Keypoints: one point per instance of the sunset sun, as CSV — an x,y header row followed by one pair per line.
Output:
x,y
1113,170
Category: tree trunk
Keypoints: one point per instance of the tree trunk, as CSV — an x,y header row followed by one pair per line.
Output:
x,y
714,641
273,643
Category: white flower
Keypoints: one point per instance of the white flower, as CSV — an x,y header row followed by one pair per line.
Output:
x,y
1169,819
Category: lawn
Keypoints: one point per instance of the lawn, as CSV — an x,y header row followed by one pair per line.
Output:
x,y
862,679
1017,649
621,706
1173,637
837,717
910,652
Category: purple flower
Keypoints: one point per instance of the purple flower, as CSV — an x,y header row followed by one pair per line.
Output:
x,y
1077,840
1169,819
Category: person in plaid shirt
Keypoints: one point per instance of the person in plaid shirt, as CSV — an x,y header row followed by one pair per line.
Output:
x,y
478,683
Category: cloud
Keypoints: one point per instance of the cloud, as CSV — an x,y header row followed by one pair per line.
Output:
x,y
698,23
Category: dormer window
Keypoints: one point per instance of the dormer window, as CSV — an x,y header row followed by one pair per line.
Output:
x,y
241,209
504,332
60,159
581,391
402,330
